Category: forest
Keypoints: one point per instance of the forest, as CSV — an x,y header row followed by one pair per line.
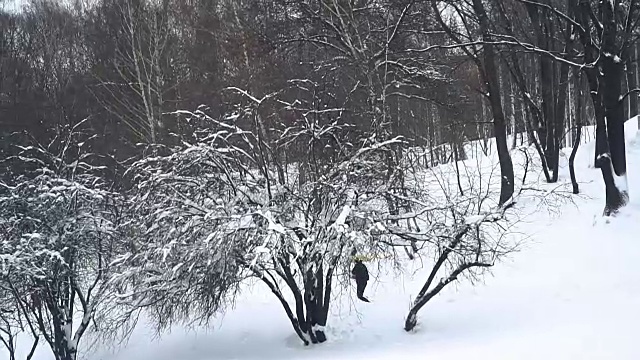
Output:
x,y
158,155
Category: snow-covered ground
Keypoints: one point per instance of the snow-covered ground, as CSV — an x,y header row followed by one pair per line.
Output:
x,y
571,292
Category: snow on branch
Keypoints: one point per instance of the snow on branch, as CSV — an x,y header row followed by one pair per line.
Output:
x,y
56,239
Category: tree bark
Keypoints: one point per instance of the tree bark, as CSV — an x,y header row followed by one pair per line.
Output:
x,y
632,81
613,70
493,86
532,117
578,133
605,87
560,112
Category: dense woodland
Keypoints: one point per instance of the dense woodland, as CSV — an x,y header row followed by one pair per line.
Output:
x,y
157,154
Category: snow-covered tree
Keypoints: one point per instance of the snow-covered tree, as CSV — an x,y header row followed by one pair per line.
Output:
x,y
58,239
279,205
183,260
316,203
58,236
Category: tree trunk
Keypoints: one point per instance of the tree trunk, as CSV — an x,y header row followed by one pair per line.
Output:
x,y
61,319
295,322
532,116
613,70
614,167
314,296
627,102
605,86
513,115
560,113
493,86
7,339
425,294
632,82
62,349
572,157
553,87
636,80
578,133
34,346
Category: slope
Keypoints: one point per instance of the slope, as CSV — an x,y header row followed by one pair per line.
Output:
x,y
570,293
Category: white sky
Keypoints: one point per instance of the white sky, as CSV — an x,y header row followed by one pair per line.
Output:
x,y
16,4
10,4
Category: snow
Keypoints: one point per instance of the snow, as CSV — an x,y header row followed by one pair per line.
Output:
x,y
273,226
339,224
571,292
621,182
474,219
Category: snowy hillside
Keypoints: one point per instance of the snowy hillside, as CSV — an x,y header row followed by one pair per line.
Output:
x,y
235,179
571,292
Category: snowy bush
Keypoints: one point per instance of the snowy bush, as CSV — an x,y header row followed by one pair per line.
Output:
x,y
59,233
289,206
184,255
58,237
224,206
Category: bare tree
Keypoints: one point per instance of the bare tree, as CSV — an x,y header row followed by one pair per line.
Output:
x,y
457,222
484,57
548,110
606,32
143,64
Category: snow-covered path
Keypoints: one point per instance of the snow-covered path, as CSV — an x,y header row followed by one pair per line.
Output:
x,y
572,292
